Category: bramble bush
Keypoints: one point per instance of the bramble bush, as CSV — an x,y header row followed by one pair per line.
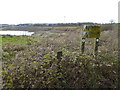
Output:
x,y
34,64
38,67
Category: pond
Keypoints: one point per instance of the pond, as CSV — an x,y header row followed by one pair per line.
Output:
x,y
16,33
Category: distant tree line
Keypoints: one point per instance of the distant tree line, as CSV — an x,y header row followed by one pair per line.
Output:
x,y
63,24
106,26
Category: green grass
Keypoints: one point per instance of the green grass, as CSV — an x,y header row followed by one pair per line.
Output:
x,y
19,40
13,44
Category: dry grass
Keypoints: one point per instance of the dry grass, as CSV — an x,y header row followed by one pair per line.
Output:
x,y
36,65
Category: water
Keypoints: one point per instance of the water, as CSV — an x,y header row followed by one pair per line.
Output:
x,y
16,33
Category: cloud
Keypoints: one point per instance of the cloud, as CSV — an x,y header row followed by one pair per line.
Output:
x,y
22,11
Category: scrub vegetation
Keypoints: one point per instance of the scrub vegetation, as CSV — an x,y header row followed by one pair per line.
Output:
x,y
30,61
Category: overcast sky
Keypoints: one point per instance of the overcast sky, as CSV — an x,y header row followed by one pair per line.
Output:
x,y
58,11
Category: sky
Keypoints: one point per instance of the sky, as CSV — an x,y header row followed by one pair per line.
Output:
x,y
58,11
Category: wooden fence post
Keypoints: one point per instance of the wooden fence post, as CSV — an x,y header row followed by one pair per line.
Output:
x,y
96,46
59,57
83,45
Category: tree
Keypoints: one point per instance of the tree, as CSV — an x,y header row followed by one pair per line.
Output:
x,y
111,21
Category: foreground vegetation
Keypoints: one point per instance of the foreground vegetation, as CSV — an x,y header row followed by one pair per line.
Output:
x,y
30,62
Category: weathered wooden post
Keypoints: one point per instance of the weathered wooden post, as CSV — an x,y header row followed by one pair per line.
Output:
x,y
83,45
96,46
59,57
